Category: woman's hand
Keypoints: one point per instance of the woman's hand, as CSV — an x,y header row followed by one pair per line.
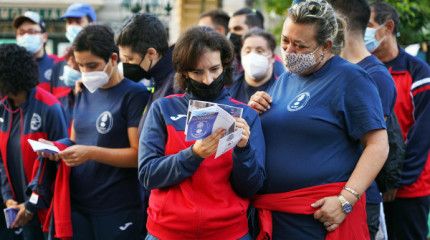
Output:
x,y
207,147
241,123
22,217
389,195
260,101
75,155
330,213
52,157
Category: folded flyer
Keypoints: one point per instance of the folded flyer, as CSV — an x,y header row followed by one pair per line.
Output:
x,y
203,118
10,215
43,147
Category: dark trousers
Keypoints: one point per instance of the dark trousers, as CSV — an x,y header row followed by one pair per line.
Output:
x,y
125,224
373,212
406,218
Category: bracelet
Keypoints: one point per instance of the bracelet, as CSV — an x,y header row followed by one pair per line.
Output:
x,y
353,192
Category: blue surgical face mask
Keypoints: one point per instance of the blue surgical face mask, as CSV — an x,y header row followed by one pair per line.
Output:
x,y
369,39
31,42
72,31
70,76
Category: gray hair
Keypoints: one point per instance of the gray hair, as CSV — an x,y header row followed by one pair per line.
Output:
x,y
329,25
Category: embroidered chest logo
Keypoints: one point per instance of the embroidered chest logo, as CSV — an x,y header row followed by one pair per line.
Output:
x,y
36,122
48,74
104,122
299,102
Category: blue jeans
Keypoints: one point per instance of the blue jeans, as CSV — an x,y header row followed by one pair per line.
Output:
x,y
150,237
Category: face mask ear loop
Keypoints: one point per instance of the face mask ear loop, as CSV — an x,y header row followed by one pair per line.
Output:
x,y
316,65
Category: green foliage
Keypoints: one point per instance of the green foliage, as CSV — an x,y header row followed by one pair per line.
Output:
x,y
414,18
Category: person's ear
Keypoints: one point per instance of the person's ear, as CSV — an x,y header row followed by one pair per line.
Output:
x,y
114,59
152,54
389,26
327,46
44,37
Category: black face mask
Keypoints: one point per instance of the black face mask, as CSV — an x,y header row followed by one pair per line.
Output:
x,y
206,92
135,72
237,42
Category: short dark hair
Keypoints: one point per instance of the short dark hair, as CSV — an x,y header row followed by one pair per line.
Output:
x,y
356,13
254,18
383,12
98,39
219,18
192,44
142,31
271,41
18,69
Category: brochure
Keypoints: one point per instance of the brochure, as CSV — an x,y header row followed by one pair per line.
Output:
x,y
10,215
43,147
203,118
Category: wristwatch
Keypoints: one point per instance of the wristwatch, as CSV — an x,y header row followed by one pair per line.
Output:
x,y
346,206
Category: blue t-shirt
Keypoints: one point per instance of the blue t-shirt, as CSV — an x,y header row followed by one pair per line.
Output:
x,y
313,132
241,91
102,119
387,91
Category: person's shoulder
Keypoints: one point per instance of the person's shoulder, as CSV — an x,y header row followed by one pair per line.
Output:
x,y
44,96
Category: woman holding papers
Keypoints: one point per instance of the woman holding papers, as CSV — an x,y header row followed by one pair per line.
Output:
x,y
102,149
26,112
193,194
333,140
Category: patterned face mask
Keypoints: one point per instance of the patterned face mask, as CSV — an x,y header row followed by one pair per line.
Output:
x,y
299,63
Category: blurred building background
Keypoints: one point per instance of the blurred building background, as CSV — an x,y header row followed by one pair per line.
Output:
x,y
177,15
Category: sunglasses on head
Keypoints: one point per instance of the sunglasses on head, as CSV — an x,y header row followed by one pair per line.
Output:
x,y
313,7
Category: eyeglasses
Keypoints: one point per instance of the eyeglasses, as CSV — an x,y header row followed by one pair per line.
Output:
x,y
314,7
29,32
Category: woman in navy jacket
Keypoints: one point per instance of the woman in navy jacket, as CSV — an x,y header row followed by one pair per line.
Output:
x,y
193,194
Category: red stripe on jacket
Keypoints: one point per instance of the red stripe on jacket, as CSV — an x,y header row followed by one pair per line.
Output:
x,y
299,202
61,202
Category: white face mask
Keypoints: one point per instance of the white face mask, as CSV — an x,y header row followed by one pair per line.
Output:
x,y
255,65
32,42
298,63
369,38
96,79
72,31
70,76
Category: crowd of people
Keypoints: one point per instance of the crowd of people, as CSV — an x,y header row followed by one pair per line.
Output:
x,y
333,137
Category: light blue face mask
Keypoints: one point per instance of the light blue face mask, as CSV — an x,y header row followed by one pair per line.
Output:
x,y
70,76
369,39
32,42
72,31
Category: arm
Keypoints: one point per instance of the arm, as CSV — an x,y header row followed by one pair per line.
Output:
x,y
418,141
117,157
5,187
375,153
155,169
248,162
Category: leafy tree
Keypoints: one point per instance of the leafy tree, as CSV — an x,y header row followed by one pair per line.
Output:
x,y
414,18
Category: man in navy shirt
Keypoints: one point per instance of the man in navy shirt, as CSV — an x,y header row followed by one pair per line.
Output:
x,y
65,72
146,56
31,34
407,205
357,14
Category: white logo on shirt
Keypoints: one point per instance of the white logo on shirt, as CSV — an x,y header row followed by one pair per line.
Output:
x,y
104,122
36,122
299,102
48,74
1,120
123,228
178,117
